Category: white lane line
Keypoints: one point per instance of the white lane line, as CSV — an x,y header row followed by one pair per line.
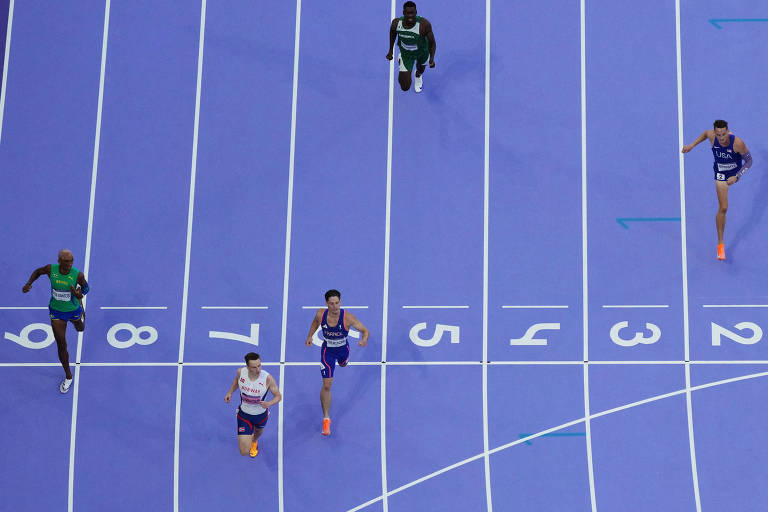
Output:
x,y
755,361
187,253
533,362
176,432
24,365
533,307
435,307
385,299
555,429
23,307
735,306
133,307
486,209
431,363
130,364
287,262
684,259
6,59
234,307
584,252
636,362
87,262
635,306
343,307
406,363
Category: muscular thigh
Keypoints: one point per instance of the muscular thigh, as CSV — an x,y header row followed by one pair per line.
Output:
x,y
722,192
59,328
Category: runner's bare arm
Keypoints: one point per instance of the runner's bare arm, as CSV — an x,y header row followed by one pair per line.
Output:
x,y
83,287
352,321
272,386
37,273
314,326
708,134
426,27
392,38
232,388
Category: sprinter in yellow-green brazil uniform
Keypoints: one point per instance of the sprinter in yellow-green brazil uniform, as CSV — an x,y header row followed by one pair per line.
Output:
x,y
68,285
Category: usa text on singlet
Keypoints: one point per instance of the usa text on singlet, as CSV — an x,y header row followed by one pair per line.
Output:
x,y
726,158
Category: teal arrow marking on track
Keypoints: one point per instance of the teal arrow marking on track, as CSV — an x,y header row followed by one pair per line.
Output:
x,y
560,434
624,220
717,21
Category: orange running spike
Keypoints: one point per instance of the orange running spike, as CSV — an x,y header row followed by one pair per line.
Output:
x,y
254,448
327,427
721,252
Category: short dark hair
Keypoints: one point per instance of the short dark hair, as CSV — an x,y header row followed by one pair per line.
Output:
x,y
409,4
332,293
251,356
720,124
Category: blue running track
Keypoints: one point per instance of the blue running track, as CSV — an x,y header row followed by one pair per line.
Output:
x,y
534,258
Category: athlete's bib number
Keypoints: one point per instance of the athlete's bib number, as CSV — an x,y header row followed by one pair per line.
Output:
x,y
61,295
726,167
720,176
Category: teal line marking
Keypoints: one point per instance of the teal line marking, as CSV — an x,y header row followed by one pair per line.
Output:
x,y
624,220
716,21
558,434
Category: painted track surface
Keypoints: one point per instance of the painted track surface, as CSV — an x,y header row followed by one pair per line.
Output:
x,y
319,181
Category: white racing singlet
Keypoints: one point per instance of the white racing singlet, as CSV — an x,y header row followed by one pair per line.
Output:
x,y
252,392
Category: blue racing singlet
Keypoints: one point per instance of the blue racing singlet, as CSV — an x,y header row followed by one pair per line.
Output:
x,y
727,160
334,336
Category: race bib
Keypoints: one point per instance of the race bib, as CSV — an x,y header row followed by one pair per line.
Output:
x,y
62,295
336,343
726,167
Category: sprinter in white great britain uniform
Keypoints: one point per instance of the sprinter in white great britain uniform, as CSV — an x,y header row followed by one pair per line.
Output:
x,y
253,412
732,160
335,323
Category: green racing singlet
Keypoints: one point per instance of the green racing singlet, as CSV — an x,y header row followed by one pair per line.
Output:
x,y
62,298
413,46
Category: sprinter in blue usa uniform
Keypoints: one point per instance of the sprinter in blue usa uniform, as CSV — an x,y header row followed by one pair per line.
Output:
x,y
335,323
732,160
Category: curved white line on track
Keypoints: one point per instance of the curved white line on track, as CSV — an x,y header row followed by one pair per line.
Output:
x,y
571,423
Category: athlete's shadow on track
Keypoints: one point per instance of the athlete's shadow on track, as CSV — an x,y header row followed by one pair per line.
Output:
x,y
447,85
754,217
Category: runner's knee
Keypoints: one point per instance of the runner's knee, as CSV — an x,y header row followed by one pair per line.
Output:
x,y
405,80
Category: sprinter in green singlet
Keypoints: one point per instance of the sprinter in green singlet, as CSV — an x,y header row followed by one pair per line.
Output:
x,y
416,43
68,285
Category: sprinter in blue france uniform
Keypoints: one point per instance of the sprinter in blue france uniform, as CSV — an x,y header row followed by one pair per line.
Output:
x,y
732,160
335,324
